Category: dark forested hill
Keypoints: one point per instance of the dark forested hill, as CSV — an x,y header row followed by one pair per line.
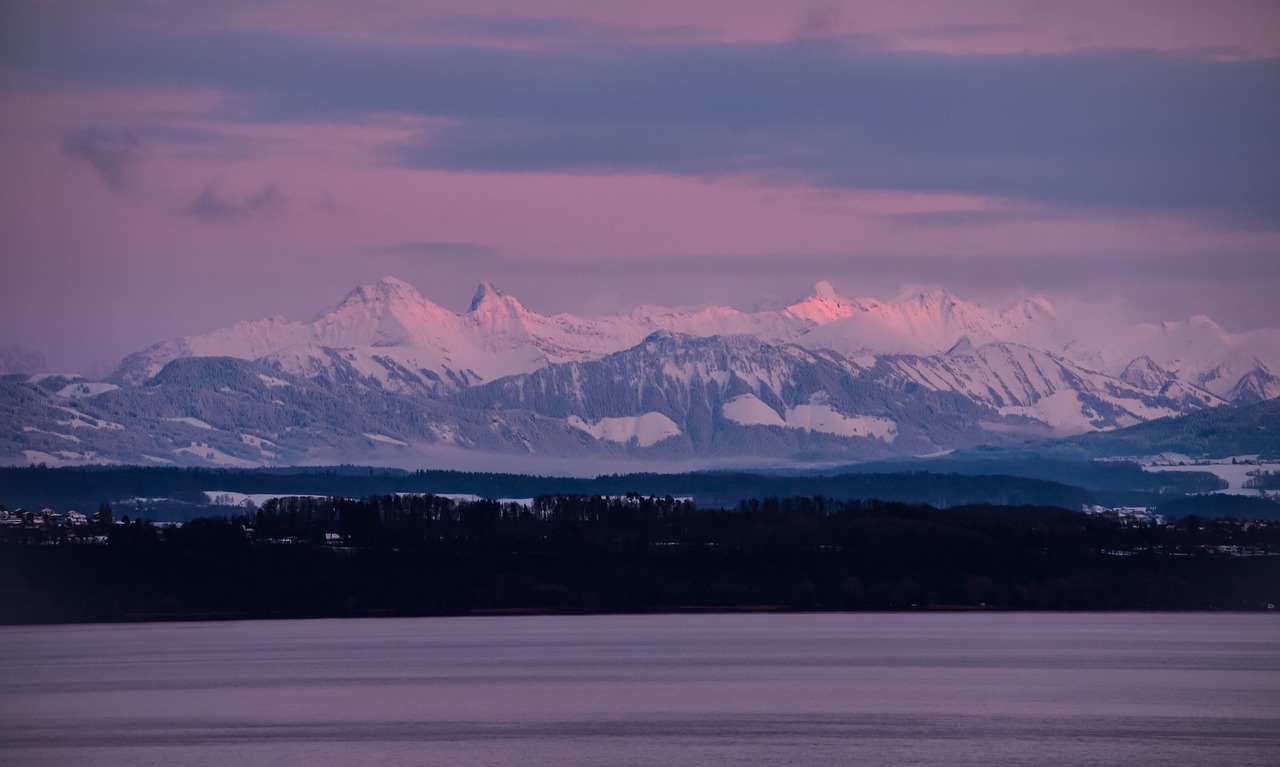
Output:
x,y
1213,433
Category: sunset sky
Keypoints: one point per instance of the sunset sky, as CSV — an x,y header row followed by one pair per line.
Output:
x,y
170,168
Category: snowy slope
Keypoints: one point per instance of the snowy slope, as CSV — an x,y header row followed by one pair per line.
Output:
x,y
929,321
680,395
1020,381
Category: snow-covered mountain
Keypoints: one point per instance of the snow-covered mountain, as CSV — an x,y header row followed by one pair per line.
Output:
x,y
386,373
925,321
673,397
1234,366
1017,380
681,396
385,334
389,334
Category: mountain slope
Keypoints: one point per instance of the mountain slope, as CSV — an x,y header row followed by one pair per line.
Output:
x,y
1020,381
677,395
672,397
1214,433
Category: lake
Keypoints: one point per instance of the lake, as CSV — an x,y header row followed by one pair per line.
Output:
x,y
848,689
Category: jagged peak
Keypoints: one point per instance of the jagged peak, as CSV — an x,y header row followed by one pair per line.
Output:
x,y
823,292
386,289
488,294
962,346
485,292
1143,362
822,306
1144,373
1255,386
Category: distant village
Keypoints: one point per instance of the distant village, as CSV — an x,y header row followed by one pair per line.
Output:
x,y
49,527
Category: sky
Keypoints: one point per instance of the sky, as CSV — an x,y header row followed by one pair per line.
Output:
x,y
172,168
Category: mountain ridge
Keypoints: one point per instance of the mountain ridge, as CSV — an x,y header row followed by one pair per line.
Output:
x,y
390,374
498,336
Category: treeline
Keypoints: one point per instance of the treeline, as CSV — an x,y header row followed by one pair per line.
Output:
x,y
1221,506
1065,484
393,555
1114,483
436,522
1264,480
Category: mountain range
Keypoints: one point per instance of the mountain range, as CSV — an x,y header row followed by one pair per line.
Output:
x,y
389,377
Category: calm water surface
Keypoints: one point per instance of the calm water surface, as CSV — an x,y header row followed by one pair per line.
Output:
x,y
1086,689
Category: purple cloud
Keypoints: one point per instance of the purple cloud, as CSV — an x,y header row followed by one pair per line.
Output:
x,y
112,152
209,206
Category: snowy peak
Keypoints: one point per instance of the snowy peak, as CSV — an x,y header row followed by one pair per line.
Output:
x,y
487,295
918,321
390,312
1036,306
1145,374
498,325
823,306
388,290
933,308
496,312
1030,313
1255,386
